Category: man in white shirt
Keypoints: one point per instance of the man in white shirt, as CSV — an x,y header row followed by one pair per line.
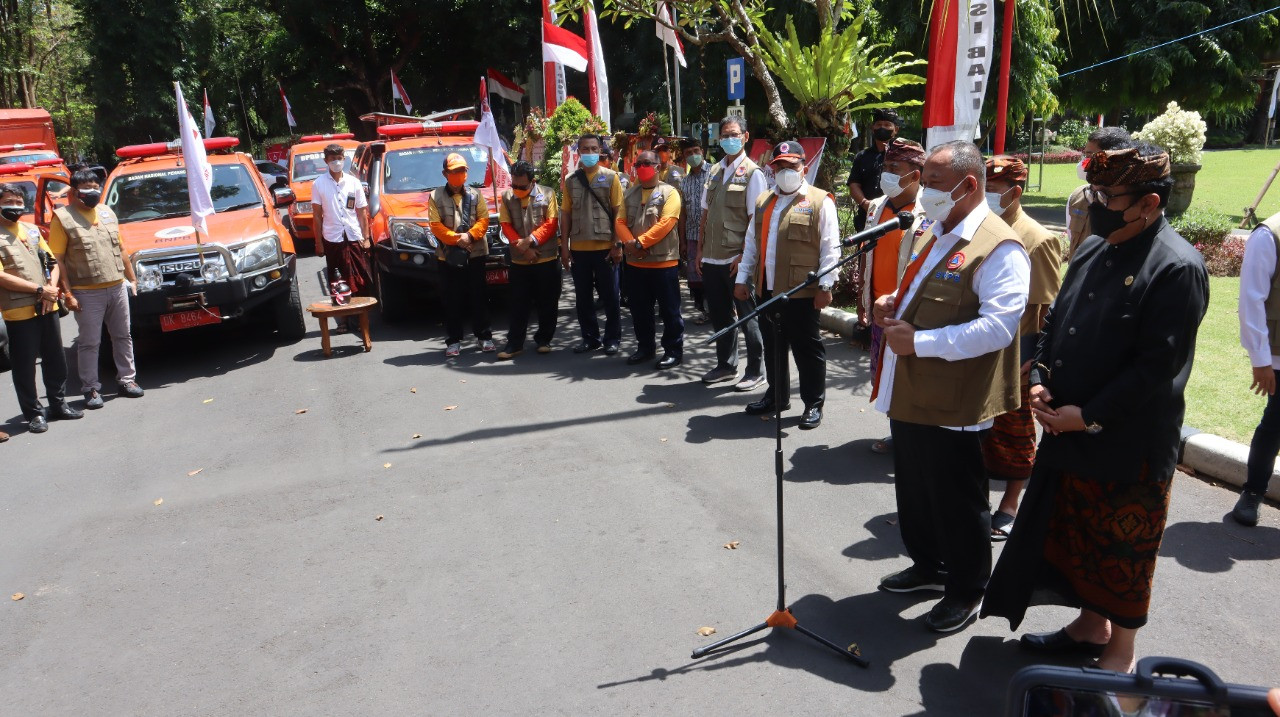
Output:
x,y
951,367
794,227
341,214
1259,302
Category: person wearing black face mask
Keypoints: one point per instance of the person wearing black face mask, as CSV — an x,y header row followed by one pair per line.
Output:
x,y
1107,386
97,279
864,175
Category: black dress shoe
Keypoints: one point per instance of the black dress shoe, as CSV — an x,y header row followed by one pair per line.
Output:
x,y
611,349
38,425
812,418
1059,642
638,357
668,361
1246,510
951,614
64,412
586,347
763,406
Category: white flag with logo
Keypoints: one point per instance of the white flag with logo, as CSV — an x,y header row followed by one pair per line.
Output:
x,y
199,172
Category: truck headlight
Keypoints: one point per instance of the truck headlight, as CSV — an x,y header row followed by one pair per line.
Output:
x,y
300,208
257,254
411,234
149,278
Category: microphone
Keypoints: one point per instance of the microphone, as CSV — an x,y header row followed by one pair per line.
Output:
x,y
903,221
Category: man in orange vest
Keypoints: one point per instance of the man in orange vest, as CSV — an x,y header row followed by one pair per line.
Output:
x,y
646,226
459,218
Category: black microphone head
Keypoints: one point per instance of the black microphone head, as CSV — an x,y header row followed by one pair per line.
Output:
x,y
905,220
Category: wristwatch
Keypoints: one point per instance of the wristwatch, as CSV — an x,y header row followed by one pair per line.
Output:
x,y
617,245
39,291
639,246
1093,429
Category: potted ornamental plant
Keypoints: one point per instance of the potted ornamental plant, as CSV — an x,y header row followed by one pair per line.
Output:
x,y
1182,133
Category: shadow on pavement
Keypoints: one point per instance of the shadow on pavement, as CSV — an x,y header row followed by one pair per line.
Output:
x,y
987,663
850,464
1216,547
885,541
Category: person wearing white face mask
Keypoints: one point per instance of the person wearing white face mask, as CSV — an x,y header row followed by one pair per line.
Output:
x,y
878,270
1009,448
951,367
796,229
1100,140
342,220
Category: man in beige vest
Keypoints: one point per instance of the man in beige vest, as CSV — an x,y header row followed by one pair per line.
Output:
x,y
1260,337
1009,448
28,303
592,197
951,367
458,217
96,279
796,232
1100,140
530,219
728,206
647,229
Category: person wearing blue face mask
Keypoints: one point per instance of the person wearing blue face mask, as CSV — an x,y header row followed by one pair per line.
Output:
x,y
592,198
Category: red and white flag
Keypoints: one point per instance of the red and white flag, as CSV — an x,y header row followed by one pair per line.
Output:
x,y
598,79
960,37
209,124
487,136
199,172
553,85
667,35
504,87
398,93
288,108
561,46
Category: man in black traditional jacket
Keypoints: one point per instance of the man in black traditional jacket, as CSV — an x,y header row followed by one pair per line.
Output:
x,y
1107,387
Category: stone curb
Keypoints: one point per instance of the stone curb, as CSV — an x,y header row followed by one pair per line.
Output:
x,y
1208,455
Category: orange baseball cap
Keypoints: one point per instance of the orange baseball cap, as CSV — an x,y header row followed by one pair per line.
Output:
x,y
454,161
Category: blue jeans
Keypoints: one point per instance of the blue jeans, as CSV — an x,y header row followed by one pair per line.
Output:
x,y
592,269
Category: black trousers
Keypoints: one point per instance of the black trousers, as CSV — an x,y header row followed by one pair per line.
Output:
x,y
943,509
644,287
1264,446
799,332
592,269
464,292
30,339
535,286
717,285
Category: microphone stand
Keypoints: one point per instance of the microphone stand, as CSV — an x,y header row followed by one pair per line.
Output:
x,y
782,616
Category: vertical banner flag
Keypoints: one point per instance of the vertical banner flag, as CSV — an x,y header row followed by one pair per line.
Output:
x,y
668,35
552,72
960,38
504,87
398,93
1275,87
199,173
487,136
209,124
597,80
288,108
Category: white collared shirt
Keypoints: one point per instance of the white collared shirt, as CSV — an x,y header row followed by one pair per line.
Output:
x,y
1255,284
1002,284
755,187
828,229
340,201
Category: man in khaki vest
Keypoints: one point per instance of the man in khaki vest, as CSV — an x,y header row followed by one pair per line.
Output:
x,y
728,205
459,218
529,219
646,227
796,232
592,198
29,305
951,367
1259,318
1009,448
1100,140
96,280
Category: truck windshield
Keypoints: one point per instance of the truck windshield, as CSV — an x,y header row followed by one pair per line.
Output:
x,y
27,157
419,169
311,165
157,195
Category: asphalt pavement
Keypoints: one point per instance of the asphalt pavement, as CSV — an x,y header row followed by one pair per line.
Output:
x,y
270,532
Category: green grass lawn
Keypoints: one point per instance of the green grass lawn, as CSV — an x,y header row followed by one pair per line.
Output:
x,y
1218,397
1228,183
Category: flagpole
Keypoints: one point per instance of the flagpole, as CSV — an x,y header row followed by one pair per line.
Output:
x,y
678,123
667,72
1002,93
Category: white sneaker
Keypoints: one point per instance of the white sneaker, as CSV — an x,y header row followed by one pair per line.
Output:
x,y
487,346
452,350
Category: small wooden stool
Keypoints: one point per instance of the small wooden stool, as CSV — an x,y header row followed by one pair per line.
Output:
x,y
324,311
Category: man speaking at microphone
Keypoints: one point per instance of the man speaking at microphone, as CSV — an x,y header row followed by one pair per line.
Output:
x,y
795,229
951,367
